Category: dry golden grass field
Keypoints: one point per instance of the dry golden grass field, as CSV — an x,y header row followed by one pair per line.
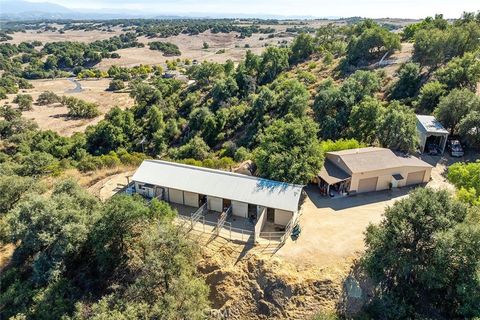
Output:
x,y
55,117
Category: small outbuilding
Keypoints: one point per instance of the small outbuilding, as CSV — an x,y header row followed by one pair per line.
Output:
x,y
431,131
370,169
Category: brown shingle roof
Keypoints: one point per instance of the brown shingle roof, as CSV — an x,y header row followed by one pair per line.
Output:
x,y
373,159
331,173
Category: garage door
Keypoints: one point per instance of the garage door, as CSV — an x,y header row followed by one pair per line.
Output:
x,y
215,204
415,177
367,185
240,209
176,196
190,199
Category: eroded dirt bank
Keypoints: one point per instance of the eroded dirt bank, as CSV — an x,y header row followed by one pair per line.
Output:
x,y
253,284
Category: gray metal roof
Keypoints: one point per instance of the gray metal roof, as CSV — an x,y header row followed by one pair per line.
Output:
x,y
222,184
429,124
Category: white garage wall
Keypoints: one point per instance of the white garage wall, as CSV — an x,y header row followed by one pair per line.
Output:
x,y
215,204
175,196
282,217
240,209
190,199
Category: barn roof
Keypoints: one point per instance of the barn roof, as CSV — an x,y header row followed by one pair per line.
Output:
x,y
222,184
429,124
373,159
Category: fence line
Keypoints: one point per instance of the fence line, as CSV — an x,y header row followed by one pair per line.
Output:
x,y
197,215
224,228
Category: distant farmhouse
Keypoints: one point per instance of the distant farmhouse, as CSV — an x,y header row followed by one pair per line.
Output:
x,y
370,169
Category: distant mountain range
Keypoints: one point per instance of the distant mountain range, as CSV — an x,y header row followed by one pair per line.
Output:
x,y
18,7
24,10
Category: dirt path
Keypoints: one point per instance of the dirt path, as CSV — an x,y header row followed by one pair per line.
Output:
x,y
78,86
108,186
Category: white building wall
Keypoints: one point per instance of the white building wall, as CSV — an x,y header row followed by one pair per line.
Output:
x,y
215,204
261,219
190,199
175,196
282,217
385,177
240,209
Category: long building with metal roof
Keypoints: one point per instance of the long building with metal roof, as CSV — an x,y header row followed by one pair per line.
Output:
x,y
193,186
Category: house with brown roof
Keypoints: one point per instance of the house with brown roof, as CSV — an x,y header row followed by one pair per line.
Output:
x,y
370,169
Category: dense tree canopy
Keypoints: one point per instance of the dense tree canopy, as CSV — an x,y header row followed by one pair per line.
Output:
x,y
365,119
370,42
429,96
398,130
455,106
437,42
289,151
333,103
461,72
424,256
466,177
408,83
138,264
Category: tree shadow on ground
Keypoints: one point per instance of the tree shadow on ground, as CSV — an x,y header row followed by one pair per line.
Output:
x,y
358,290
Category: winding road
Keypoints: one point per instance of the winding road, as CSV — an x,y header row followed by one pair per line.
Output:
x,y
78,86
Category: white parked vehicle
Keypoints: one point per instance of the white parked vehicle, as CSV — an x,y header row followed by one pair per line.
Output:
x,y
455,148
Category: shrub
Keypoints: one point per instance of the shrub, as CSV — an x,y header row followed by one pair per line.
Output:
x,y
47,97
116,85
3,93
134,158
341,144
24,101
168,49
241,154
78,108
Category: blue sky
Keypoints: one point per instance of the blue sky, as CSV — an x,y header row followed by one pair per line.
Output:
x,y
317,8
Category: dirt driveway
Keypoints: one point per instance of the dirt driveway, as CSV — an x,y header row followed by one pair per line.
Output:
x,y
332,229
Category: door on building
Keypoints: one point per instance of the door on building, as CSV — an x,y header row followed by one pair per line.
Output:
x,y
202,200
159,193
252,211
226,204
150,192
367,185
176,196
271,215
415,177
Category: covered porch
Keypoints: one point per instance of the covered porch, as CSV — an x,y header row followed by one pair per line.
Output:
x,y
332,180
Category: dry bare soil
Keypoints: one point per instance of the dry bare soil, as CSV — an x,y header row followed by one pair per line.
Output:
x,y
55,117
191,48
70,35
